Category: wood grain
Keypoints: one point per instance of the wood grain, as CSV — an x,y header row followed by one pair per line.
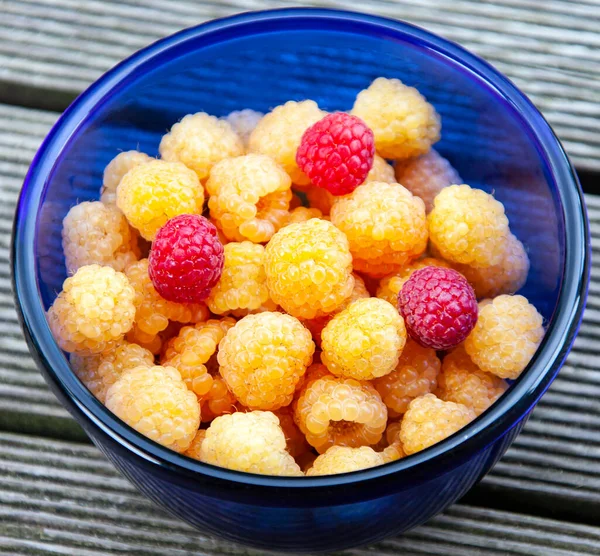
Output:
x,y
50,50
71,501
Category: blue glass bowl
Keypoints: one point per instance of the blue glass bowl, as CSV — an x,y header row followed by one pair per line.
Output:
x,y
492,134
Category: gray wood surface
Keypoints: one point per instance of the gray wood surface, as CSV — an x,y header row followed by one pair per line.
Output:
x,y
65,498
50,50
556,458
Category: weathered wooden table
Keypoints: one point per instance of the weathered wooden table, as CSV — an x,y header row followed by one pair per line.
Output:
x,y
58,495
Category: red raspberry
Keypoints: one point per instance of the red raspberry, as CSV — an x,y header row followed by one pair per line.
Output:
x,y
439,307
186,259
337,153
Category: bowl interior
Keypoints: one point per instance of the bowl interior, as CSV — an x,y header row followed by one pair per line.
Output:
x,y
491,134
483,135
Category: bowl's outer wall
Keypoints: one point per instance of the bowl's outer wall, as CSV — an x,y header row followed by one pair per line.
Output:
x,y
325,520
484,138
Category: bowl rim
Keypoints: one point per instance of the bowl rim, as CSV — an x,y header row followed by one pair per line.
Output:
x,y
510,409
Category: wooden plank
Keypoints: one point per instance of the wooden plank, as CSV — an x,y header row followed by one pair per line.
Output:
x,y
50,50
557,456
71,501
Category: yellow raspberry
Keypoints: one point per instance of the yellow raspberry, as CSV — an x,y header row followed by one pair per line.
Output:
x,y
309,268
249,197
364,341
430,420
390,286
219,400
461,381
200,141
116,169
403,122
320,199
317,324
380,171
153,312
468,226
303,214
313,372
152,193
340,411
243,283
278,135
393,449
506,336
94,233
296,443
100,372
251,442
93,312
506,277
194,450
426,175
243,123
415,375
191,349
342,459
386,227
263,357
296,201
156,403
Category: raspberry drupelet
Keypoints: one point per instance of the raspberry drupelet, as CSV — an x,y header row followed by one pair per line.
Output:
x,y
152,311
190,351
243,123
95,233
336,153
200,141
263,357
461,381
439,307
343,459
194,450
426,175
249,197
252,442
309,268
219,400
156,402
243,283
296,443
321,199
278,135
186,259
152,193
303,214
415,375
403,122
317,324
100,372
93,312
393,449
390,286
115,170
364,340
430,420
468,226
507,335
340,411
506,277
386,227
